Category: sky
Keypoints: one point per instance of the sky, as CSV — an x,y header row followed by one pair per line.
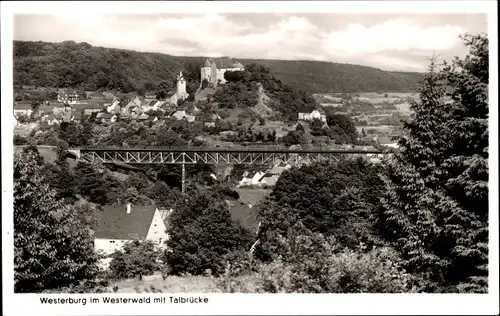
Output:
x,y
399,42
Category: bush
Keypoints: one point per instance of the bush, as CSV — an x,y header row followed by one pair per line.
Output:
x,y
20,140
315,264
135,260
201,234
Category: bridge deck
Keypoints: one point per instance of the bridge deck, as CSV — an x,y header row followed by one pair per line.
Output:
x,y
304,150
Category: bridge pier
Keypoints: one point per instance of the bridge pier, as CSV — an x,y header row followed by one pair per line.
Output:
x,y
183,178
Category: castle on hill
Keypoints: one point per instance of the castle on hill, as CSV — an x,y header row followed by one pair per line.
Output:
x,y
213,70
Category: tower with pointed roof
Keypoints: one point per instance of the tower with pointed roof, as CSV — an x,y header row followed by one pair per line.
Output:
x,y
181,85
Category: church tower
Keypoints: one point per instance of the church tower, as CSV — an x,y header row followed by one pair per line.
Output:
x,y
181,86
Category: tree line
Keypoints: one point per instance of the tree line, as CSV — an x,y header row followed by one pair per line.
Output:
x,y
70,64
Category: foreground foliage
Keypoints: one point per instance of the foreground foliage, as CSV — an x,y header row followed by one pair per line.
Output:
x,y
52,248
136,259
436,206
312,263
201,233
337,200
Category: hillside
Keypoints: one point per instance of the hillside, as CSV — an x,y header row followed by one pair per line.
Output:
x,y
70,64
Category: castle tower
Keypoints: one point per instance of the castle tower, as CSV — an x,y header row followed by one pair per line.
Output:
x,y
205,71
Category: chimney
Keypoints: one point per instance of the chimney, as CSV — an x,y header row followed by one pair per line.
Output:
x,y
129,207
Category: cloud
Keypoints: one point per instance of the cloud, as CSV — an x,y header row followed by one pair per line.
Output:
x,y
398,35
380,41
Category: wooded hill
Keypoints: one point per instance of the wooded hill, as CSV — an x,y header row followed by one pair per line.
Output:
x,y
70,64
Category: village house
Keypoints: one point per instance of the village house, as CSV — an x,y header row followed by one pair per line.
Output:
x,y
62,114
150,96
114,108
68,96
271,176
108,95
106,117
213,70
88,108
386,142
22,109
96,95
251,179
77,117
119,224
132,106
181,114
310,113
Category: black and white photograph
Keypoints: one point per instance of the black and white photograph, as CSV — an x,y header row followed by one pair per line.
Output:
x,y
171,154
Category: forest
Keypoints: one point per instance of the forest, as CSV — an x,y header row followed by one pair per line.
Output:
x,y
80,65
415,223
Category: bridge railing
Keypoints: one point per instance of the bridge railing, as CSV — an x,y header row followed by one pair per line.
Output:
x,y
259,149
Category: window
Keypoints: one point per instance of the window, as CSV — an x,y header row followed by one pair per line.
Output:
x,y
159,241
111,241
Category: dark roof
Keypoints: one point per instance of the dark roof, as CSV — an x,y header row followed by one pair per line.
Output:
x,y
115,223
82,106
22,106
306,109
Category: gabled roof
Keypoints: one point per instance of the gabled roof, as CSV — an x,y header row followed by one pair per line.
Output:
x,y
22,106
306,109
207,63
115,223
82,106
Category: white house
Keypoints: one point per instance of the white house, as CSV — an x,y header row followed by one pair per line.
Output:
x,y
387,142
68,96
181,114
119,224
310,113
22,109
269,179
251,180
115,106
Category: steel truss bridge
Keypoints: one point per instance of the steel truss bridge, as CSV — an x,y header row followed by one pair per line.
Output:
x,y
248,156
197,155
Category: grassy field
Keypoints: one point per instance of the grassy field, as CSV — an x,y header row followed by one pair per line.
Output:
x,y
48,152
171,284
379,130
23,129
243,210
